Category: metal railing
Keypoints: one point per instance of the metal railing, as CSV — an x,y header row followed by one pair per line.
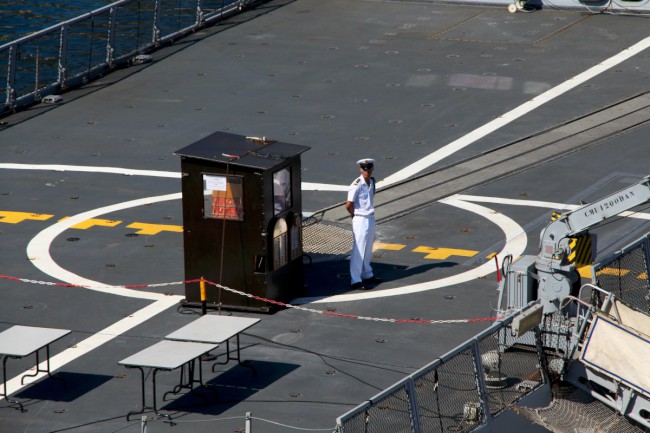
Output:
x,y
462,391
84,48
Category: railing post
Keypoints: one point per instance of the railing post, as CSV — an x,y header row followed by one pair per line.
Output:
x,y
413,406
63,49
486,416
156,22
110,38
11,76
143,424
200,17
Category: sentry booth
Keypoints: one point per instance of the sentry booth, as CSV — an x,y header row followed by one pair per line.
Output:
x,y
242,209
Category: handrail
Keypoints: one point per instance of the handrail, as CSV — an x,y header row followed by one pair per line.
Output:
x,y
76,51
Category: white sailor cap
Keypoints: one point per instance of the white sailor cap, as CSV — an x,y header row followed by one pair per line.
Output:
x,y
366,161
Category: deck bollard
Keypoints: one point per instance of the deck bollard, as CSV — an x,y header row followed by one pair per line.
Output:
x,y
203,301
249,422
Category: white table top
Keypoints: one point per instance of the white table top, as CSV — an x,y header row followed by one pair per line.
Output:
x,y
168,355
22,340
212,329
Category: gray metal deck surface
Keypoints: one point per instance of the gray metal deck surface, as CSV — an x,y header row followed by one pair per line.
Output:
x,y
395,81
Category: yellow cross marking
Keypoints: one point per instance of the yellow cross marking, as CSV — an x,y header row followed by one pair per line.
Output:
x,y
443,253
382,246
154,229
92,222
18,217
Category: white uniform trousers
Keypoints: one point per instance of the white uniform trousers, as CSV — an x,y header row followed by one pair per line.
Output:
x,y
363,229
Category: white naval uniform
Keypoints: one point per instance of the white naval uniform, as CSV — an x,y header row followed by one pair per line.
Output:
x,y
363,228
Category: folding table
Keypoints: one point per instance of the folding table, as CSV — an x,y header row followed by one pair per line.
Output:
x,y
215,329
166,355
20,341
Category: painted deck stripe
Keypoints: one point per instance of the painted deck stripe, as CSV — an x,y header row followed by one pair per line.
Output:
x,y
514,114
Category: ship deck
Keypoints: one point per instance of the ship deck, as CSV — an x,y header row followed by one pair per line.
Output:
x,y
481,122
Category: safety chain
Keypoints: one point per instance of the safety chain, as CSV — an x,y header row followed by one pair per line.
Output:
x,y
259,298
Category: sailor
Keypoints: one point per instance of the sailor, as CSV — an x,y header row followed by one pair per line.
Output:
x,y
360,206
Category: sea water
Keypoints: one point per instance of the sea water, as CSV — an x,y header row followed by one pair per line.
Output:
x,y
21,17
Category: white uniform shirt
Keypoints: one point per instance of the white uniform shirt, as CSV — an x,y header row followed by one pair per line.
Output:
x,y
362,195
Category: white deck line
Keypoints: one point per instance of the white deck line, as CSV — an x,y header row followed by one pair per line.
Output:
x,y
514,114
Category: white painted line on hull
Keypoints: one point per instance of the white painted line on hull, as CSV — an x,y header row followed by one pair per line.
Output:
x,y
516,241
514,114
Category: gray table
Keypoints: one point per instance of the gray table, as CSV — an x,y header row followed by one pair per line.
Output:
x,y
166,355
20,341
217,330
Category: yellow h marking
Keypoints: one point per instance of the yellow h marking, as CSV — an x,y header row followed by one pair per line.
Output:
x,y
443,253
18,217
382,246
154,229
92,222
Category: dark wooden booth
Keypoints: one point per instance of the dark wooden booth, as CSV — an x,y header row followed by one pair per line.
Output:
x,y
242,210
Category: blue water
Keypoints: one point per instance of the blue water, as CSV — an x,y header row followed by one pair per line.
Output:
x,y
21,17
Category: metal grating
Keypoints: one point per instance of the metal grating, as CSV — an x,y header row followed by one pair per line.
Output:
x,y
322,238
573,411
461,392
448,397
626,275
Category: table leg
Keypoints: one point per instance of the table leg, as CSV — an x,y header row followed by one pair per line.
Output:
x,y
4,384
47,368
236,358
143,404
191,365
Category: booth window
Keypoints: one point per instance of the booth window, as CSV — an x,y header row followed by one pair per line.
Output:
x,y
280,253
281,190
223,197
295,237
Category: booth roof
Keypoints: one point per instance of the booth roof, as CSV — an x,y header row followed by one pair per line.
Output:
x,y
239,150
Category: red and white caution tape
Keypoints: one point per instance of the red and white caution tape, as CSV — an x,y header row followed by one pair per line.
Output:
x,y
268,301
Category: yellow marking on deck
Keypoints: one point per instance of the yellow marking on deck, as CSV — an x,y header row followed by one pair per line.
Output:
x,y
613,271
92,222
18,217
154,229
391,247
643,276
443,253
585,271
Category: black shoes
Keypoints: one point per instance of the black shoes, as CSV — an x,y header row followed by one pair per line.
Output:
x,y
364,285
360,286
373,280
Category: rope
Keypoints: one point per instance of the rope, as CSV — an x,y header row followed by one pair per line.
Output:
x,y
266,300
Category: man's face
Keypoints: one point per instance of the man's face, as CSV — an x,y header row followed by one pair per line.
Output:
x,y
366,170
